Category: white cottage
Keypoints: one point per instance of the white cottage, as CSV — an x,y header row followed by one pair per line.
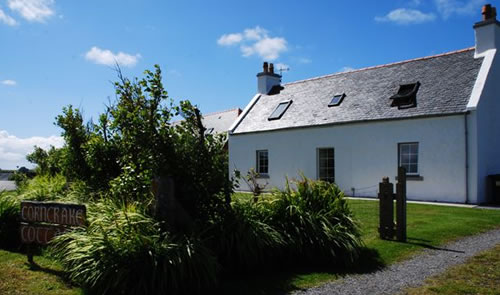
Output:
x,y
437,116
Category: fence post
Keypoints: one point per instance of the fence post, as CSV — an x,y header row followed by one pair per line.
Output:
x,y
386,209
401,205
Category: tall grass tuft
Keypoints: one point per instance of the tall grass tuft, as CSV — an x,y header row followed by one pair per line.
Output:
x,y
242,240
124,251
9,221
316,222
44,188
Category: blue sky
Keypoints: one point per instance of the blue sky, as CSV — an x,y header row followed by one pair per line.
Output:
x,y
54,53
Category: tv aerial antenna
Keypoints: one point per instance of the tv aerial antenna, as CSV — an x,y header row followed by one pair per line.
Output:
x,y
282,69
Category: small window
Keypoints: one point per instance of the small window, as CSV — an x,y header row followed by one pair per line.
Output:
x,y
326,164
406,96
262,162
280,110
336,100
408,157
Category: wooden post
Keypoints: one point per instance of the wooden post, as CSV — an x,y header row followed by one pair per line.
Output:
x,y
29,253
386,209
401,205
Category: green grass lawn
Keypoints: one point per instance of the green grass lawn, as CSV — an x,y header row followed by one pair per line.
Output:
x,y
480,275
429,226
18,277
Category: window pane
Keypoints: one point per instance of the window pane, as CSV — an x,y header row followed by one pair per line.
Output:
x,y
414,148
280,110
414,159
405,159
326,164
405,148
412,168
262,162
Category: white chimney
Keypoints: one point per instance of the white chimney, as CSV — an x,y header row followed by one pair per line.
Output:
x,y
267,79
487,31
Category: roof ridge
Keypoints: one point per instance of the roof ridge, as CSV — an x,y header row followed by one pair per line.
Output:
x,y
384,65
220,112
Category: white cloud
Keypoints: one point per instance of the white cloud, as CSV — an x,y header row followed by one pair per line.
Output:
x,y
405,16
106,57
6,19
9,82
256,33
267,48
230,39
256,41
449,7
13,150
33,10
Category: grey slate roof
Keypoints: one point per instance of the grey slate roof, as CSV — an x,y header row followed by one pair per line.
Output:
x,y
446,85
221,121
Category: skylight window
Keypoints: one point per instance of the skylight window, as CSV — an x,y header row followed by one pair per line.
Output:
x,y
280,110
406,96
336,100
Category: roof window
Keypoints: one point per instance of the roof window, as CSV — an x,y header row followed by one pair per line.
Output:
x,y
406,96
336,100
280,110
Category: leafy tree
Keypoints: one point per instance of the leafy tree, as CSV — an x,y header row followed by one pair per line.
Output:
x,y
134,141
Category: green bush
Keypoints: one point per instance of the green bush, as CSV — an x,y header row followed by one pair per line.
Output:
x,y
316,223
9,221
123,251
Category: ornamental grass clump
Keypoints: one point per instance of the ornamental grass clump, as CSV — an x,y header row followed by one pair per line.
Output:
x,y
316,223
9,221
44,188
242,240
124,251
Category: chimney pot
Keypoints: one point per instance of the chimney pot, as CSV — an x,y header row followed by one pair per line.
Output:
x,y
271,68
265,67
488,12
487,31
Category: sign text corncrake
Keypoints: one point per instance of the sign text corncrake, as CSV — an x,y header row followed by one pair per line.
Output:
x,y
44,220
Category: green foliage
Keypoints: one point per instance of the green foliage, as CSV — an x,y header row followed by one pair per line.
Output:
x,y
9,223
124,251
316,222
242,240
44,188
251,179
75,135
134,141
48,162
19,178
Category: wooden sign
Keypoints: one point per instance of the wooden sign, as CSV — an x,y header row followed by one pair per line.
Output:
x,y
42,221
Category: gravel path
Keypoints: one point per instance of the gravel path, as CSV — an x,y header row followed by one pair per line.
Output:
x,y
410,273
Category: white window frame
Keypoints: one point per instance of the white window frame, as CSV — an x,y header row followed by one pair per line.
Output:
x,y
409,154
318,162
258,162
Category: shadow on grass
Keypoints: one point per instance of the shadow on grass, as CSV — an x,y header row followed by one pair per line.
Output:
x,y
36,267
420,242
54,272
283,280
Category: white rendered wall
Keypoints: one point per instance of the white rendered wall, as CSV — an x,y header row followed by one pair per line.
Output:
x,y
364,153
488,131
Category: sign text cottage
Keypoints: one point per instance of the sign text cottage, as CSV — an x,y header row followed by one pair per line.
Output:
x,y
41,221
